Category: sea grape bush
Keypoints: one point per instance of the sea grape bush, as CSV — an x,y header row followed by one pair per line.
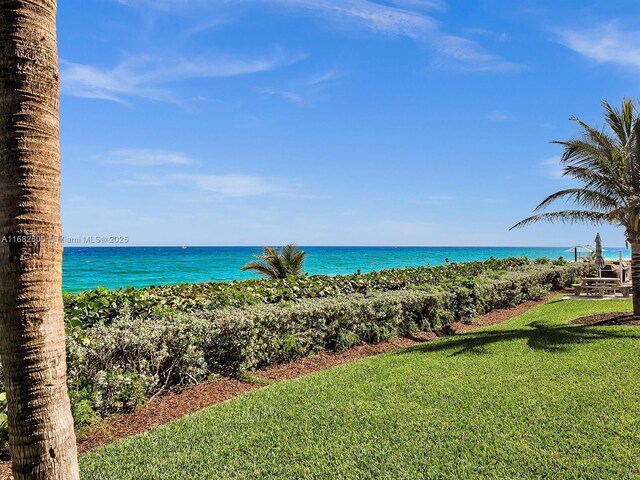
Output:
x,y
101,305
116,365
117,361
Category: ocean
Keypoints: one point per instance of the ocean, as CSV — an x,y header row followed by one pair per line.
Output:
x,y
115,267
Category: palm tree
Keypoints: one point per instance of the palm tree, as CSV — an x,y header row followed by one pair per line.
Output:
x,y
278,265
607,165
32,345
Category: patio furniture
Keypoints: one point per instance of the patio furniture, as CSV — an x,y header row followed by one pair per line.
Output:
x,y
601,286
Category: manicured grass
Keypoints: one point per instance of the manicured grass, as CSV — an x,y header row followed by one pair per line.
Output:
x,y
531,398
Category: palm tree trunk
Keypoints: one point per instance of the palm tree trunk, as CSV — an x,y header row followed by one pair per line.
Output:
x,y
32,343
635,276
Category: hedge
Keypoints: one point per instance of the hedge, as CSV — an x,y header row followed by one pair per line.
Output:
x,y
115,366
101,305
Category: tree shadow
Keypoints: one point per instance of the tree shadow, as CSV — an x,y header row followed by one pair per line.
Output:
x,y
539,335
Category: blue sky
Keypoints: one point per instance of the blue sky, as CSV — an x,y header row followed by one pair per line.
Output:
x,y
326,122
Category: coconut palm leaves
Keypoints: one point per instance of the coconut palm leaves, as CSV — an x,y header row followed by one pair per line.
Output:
x,y
274,264
607,165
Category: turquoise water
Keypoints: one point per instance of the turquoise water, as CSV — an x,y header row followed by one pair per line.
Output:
x,y
86,268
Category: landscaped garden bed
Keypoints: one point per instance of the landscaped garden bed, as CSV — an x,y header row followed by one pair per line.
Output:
x,y
188,399
127,346
533,397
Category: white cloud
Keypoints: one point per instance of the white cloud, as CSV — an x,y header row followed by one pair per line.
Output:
x,y
460,53
220,185
234,185
145,157
145,76
406,18
421,4
499,116
481,32
145,181
552,168
457,199
323,77
289,96
607,43
368,14
304,91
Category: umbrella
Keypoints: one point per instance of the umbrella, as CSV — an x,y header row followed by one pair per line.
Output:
x,y
599,257
581,249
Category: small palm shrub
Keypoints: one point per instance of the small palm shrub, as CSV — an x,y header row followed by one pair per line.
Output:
x,y
278,265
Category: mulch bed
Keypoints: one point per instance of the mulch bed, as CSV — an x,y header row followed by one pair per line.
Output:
x,y
183,401
615,318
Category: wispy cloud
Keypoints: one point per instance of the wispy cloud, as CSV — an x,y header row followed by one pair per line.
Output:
x,y
459,53
454,52
324,77
439,5
458,199
406,18
304,91
605,43
481,32
368,14
221,186
499,116
292,97
552,168
145,76
145,157
235,185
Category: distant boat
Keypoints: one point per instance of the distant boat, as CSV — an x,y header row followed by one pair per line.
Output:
x,y
183,247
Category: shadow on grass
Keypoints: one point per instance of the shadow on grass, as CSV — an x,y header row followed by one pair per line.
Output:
x,y
538,335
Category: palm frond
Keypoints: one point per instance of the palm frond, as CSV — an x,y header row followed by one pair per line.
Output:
x,y
261,268
278,265
583,197
597,137
632,156
273,258
567,216
587,154
620,121
293,258
599,181
607,164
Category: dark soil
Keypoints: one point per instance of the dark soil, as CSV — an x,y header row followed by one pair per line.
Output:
x,y
615,318
183,401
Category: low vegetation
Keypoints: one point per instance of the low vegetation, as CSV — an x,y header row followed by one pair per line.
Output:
x,y
534,397
116,362
101,305
4,433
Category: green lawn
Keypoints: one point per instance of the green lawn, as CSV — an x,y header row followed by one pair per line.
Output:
x,y
531,398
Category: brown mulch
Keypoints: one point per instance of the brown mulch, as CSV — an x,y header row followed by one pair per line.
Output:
x,y
180,402
614,318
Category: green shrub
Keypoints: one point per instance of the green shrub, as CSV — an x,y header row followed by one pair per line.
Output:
x,y
4,432
119,365
102,306
345,340
83,412
115,362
